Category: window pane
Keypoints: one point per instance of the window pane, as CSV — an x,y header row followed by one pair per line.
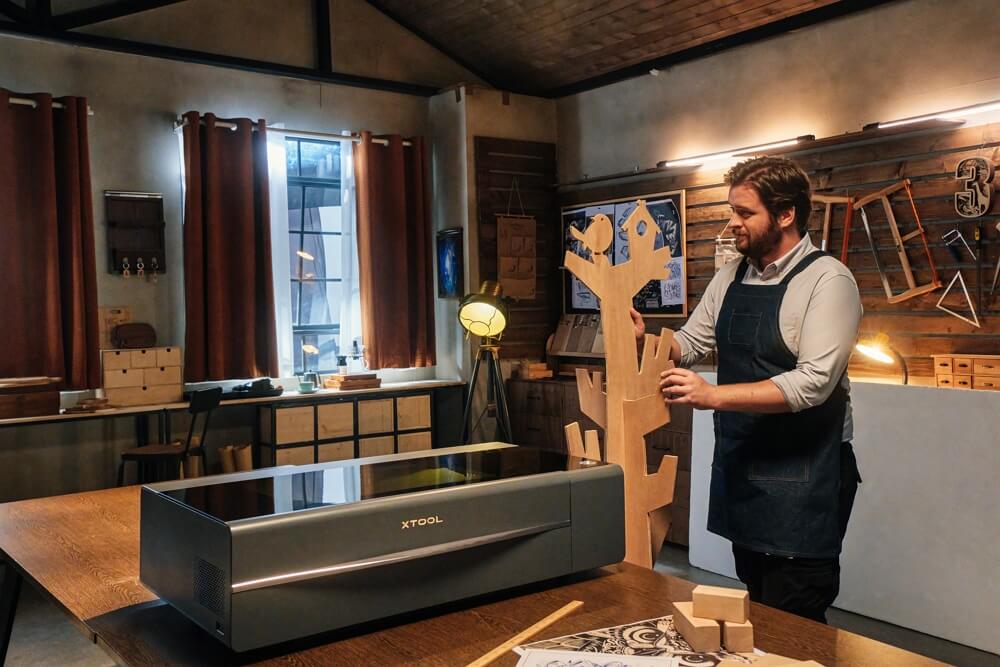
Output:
x,y
294,208
322,210
292,157
298,264
320,303
320,160
295,303
326,343
325,250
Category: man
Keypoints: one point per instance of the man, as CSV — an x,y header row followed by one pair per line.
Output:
x,y
784,320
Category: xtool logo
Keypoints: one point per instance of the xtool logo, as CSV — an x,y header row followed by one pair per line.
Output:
x,y
423,521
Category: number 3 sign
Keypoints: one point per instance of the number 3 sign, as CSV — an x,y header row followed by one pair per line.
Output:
x,y
976,174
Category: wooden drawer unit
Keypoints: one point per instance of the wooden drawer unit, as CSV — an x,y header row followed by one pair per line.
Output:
x,y
377,446
294,425
162,375
334,451
413,412
124,377
986,382
944,380
414,442
375,416
168,356
115,359
334,420
986,367
143,358
942,366
295,456
961,381
961,366
146,395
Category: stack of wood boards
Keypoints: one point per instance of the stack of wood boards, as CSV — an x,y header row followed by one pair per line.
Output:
x,y
144,376
347,381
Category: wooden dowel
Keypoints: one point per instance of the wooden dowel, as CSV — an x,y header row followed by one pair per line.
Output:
x,y
525,635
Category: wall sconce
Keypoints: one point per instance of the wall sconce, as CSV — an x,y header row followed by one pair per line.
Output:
x,y
877,348
736,152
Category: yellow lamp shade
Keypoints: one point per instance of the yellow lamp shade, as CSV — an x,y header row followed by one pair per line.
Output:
x,y
484,313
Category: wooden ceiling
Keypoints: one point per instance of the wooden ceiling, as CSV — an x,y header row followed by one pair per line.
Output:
x,y
557,47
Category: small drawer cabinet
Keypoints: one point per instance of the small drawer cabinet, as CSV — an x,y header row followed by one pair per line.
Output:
x,y
967,371
346,427
143,377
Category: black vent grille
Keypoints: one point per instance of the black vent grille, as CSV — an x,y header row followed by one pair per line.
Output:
x,y
209,584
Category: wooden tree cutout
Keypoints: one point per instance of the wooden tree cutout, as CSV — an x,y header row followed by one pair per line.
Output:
x,y
632,405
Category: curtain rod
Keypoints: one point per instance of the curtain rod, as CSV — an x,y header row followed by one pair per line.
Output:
x,y
354,138
24,101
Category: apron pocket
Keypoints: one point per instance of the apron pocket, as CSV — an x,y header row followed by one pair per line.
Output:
x,y
790,469
743,329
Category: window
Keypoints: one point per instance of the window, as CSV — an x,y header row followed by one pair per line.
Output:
x,y
316,252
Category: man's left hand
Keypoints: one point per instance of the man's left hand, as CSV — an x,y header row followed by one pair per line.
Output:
x,y
683,387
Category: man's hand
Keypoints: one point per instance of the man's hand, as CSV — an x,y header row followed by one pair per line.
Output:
x,y
640,326
683,387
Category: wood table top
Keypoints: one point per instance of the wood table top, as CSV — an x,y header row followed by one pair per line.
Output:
x,y
83,551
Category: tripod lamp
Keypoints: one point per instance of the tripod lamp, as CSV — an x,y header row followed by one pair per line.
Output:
x,y
484,314
877,348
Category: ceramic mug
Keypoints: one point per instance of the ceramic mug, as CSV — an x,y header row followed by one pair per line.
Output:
x,y
306,387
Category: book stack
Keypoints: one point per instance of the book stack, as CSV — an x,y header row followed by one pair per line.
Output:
x,y
347,381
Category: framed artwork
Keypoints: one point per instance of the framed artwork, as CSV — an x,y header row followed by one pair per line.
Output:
x,y
450,278
664,298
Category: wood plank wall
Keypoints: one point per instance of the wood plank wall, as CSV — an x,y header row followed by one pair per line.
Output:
x,y
916,328
498,162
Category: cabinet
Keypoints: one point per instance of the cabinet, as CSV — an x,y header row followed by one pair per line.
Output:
x,y
968,371
540,409
143,376
333,428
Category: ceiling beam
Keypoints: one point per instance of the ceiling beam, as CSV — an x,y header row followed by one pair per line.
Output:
x,y
321,21
106,12
773,29
485,78
214,59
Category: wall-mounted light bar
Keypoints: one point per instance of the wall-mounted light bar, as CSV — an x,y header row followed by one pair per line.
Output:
x,y
951,114
736,152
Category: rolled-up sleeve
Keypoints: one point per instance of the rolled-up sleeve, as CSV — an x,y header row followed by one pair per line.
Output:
x,y
829,331
697,337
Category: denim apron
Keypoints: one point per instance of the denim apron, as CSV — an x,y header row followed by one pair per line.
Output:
x,y
775,478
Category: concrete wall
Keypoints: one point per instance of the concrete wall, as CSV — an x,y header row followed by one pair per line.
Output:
x,y
895,61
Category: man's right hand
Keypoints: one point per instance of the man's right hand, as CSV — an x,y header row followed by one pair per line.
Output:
x,y
640,326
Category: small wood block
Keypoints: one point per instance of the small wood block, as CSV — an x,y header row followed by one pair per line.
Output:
x,y
702,634
737,637
721,604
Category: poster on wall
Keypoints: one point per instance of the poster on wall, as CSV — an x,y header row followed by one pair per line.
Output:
x,y
660,297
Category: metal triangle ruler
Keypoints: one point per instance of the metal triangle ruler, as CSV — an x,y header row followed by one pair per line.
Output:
x,y
975,319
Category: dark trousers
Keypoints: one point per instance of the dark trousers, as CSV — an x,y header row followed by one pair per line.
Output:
x,y
802,586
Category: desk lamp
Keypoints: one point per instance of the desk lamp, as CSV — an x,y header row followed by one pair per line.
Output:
x,y
484,314
877,348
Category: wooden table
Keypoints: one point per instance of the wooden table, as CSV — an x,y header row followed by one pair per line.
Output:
x,y
82,551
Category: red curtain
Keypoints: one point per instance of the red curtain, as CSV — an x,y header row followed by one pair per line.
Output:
x,y
394,253
49,297
229,294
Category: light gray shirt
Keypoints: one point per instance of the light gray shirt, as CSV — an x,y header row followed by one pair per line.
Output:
x,y
818,320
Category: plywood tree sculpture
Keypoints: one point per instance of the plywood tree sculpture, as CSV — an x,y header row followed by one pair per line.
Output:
x,y
632,405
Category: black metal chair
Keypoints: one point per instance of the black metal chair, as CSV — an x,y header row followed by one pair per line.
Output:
x,y
170,457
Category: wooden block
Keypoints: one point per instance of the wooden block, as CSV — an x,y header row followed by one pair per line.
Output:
x,y
701,633
168,356
294,425
377,446
296,456
944,380
737,637
413,412
243,457
161,375
414,442
145,358
962,381
335,451
375,416
334,420
125,377
115,359
721,604
146,395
